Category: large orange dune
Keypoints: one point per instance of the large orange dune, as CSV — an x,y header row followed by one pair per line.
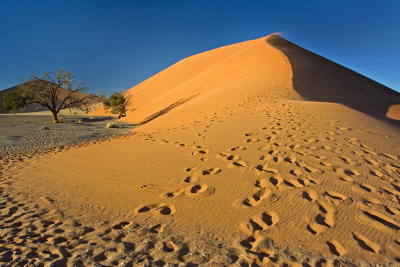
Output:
x,y
259,153
225,75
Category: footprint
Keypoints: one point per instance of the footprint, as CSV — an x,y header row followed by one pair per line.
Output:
x,y
180,144
252,140
191,169
199,190
390,156
316,228
100,257
278,159
276,180
173,194
367,187
396,186
311,195
328,219
157,208
346,160
322,221
252,242
391,211
291,159
336,248
211,171
382,219
335,195
239,163
270,218
376,173
371,161
262,183
200,152
238,148
294,183
296,172
121,225
346,174
369,152
169,246
346,179
372,200
306,167
365,243
265,168
156,229
325,163
148,208
235,160
227,156
255,199
390,191
313,180
259,223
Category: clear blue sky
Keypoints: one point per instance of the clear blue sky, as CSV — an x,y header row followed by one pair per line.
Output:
x,y
114,45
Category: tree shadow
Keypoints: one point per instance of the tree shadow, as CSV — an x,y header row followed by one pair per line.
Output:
x,y
319,79
166,110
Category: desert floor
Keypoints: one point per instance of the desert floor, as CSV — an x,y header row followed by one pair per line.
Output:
x,y
264,181
24,132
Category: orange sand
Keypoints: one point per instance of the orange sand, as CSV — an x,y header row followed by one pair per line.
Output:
x,y
231,163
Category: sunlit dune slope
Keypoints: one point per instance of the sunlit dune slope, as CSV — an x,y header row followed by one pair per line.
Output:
x,y
226,75
214,78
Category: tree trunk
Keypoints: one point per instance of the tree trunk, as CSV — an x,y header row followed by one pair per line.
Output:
x,y
55,118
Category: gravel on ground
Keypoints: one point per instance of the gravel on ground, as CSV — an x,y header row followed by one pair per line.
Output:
x,y
26,133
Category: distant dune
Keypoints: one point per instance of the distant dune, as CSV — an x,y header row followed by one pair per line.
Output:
x,y
30,108
33,107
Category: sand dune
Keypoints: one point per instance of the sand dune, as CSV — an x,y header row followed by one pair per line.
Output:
x,y
318,79
212,80
234,162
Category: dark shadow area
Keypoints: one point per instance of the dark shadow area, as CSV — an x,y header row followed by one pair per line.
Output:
x,y
319,79
95,118
166,110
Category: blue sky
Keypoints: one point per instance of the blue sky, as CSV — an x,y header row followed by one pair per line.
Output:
x,y
114,45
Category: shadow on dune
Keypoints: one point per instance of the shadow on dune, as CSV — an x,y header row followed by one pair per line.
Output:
x,y
166,110
316,78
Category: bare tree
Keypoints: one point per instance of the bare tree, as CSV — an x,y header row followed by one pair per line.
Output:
x,y
55,91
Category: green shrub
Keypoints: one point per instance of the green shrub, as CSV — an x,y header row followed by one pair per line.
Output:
x,y
118,103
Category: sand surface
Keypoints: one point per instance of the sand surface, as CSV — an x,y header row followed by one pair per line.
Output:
x,y
231,165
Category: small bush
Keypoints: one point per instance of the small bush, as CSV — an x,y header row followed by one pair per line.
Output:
x,y
44,128
118,103
112,125
79,121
